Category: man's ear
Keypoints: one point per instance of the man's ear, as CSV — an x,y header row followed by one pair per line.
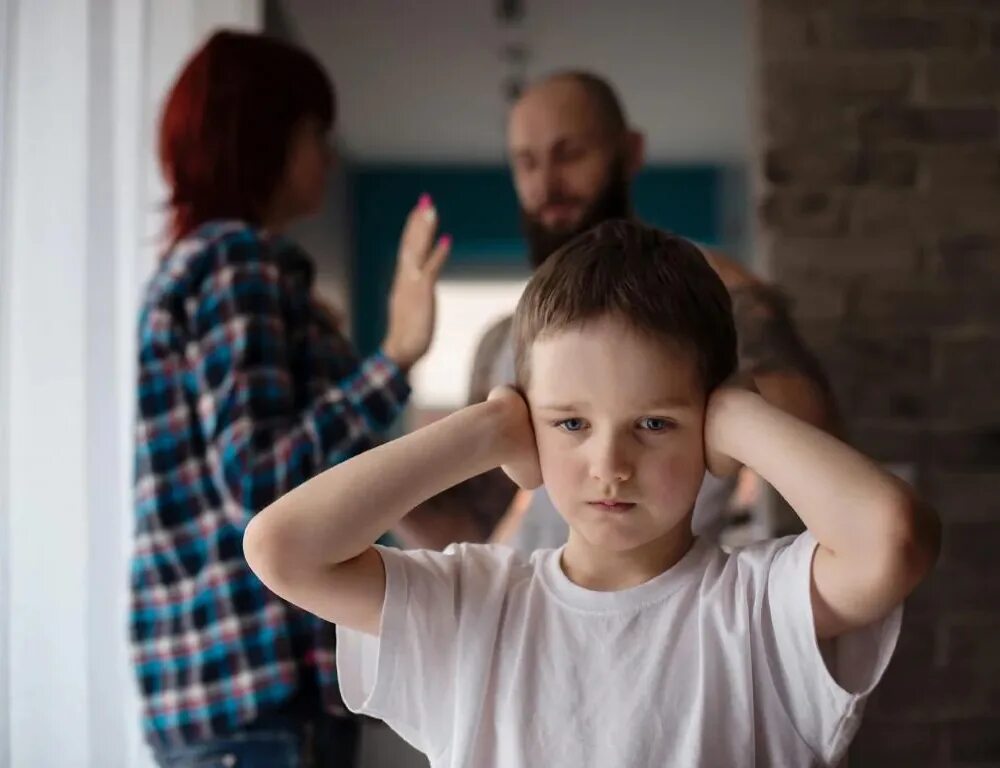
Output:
x,y
635,152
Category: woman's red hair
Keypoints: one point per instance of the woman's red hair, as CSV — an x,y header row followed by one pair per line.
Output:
x,y
228,122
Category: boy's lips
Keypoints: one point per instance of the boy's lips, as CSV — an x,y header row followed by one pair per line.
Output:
x,y
612,505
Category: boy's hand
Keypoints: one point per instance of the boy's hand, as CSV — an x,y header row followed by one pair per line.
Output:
x,y
726,396
516,439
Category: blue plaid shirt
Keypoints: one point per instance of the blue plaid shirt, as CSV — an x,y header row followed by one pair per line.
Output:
x,y
246,389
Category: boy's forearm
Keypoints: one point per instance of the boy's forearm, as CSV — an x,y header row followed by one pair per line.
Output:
x,y
851,506
800,396
338,514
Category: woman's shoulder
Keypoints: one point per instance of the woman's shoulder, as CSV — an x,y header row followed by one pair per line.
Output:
x,y
184,268
222,245
217,240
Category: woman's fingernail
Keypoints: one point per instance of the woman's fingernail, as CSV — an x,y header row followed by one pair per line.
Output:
x,y
424,202
446,241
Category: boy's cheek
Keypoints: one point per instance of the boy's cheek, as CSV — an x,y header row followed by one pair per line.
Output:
x,y
681,475
557,465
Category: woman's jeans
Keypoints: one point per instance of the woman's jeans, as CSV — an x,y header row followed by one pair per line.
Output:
x,y
273,741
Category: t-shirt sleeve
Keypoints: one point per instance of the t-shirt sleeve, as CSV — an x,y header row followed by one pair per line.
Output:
x,y
427,669
823,686
405,675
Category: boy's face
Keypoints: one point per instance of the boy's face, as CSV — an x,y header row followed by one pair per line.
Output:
x,y
619,420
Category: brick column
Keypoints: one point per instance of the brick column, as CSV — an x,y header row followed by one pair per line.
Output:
x,y
878,149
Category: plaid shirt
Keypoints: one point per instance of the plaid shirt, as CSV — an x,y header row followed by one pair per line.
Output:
x,y
245,390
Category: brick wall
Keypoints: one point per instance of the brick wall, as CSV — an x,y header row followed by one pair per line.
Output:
x,y
878,141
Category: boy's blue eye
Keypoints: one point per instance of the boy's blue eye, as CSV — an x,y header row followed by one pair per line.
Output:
x,y
654,424
571,425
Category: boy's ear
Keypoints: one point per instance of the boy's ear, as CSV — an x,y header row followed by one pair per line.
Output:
x,y
522,465
635,152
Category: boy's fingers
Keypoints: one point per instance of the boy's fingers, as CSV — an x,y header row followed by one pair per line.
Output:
x,y
502,391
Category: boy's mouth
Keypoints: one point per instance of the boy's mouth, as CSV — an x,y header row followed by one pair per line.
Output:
x,y
612,505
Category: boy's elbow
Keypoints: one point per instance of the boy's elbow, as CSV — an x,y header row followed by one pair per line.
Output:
x,y
915,539
261,549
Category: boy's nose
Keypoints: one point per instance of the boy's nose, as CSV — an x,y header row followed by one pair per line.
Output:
x,y
611,465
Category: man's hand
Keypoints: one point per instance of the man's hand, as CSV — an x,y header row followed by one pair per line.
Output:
x,y
412,301
516,444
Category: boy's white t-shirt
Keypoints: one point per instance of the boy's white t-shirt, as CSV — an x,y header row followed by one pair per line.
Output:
x,y
489,658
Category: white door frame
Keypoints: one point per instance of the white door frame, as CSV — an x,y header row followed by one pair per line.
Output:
x,y
7,10
75,247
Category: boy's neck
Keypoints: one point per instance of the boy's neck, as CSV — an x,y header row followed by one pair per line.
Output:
x,y
603,570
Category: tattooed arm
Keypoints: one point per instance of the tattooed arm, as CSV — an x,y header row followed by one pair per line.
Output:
x,y
770,349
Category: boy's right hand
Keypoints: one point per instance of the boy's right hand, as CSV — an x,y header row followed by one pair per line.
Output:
x,y
717,461
517,449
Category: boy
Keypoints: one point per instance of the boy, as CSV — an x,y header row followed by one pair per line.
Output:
x,y
634,644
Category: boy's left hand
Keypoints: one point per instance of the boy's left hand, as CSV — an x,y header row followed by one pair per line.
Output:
x,y
717,461
517,447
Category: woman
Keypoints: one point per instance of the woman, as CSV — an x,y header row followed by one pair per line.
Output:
x,y
246,389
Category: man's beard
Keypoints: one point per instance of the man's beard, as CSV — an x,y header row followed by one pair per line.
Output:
x,y
612,203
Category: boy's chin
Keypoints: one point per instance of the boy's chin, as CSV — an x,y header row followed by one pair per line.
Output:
x,y
622,542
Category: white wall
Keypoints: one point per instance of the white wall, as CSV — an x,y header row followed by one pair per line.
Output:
x,y
82,82
423,80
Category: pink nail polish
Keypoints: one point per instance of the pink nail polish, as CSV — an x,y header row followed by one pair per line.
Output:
x,y
424,201
446,241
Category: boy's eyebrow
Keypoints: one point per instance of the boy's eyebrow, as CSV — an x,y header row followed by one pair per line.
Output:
x,y
567,407
669,403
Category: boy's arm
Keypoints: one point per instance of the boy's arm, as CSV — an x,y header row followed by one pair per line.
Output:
x,y
876,539
313,546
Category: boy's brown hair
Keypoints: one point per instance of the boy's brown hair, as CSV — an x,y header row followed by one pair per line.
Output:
x,y
656,282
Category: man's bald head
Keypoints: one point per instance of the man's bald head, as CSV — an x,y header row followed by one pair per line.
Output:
x,y
572,156
598,94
